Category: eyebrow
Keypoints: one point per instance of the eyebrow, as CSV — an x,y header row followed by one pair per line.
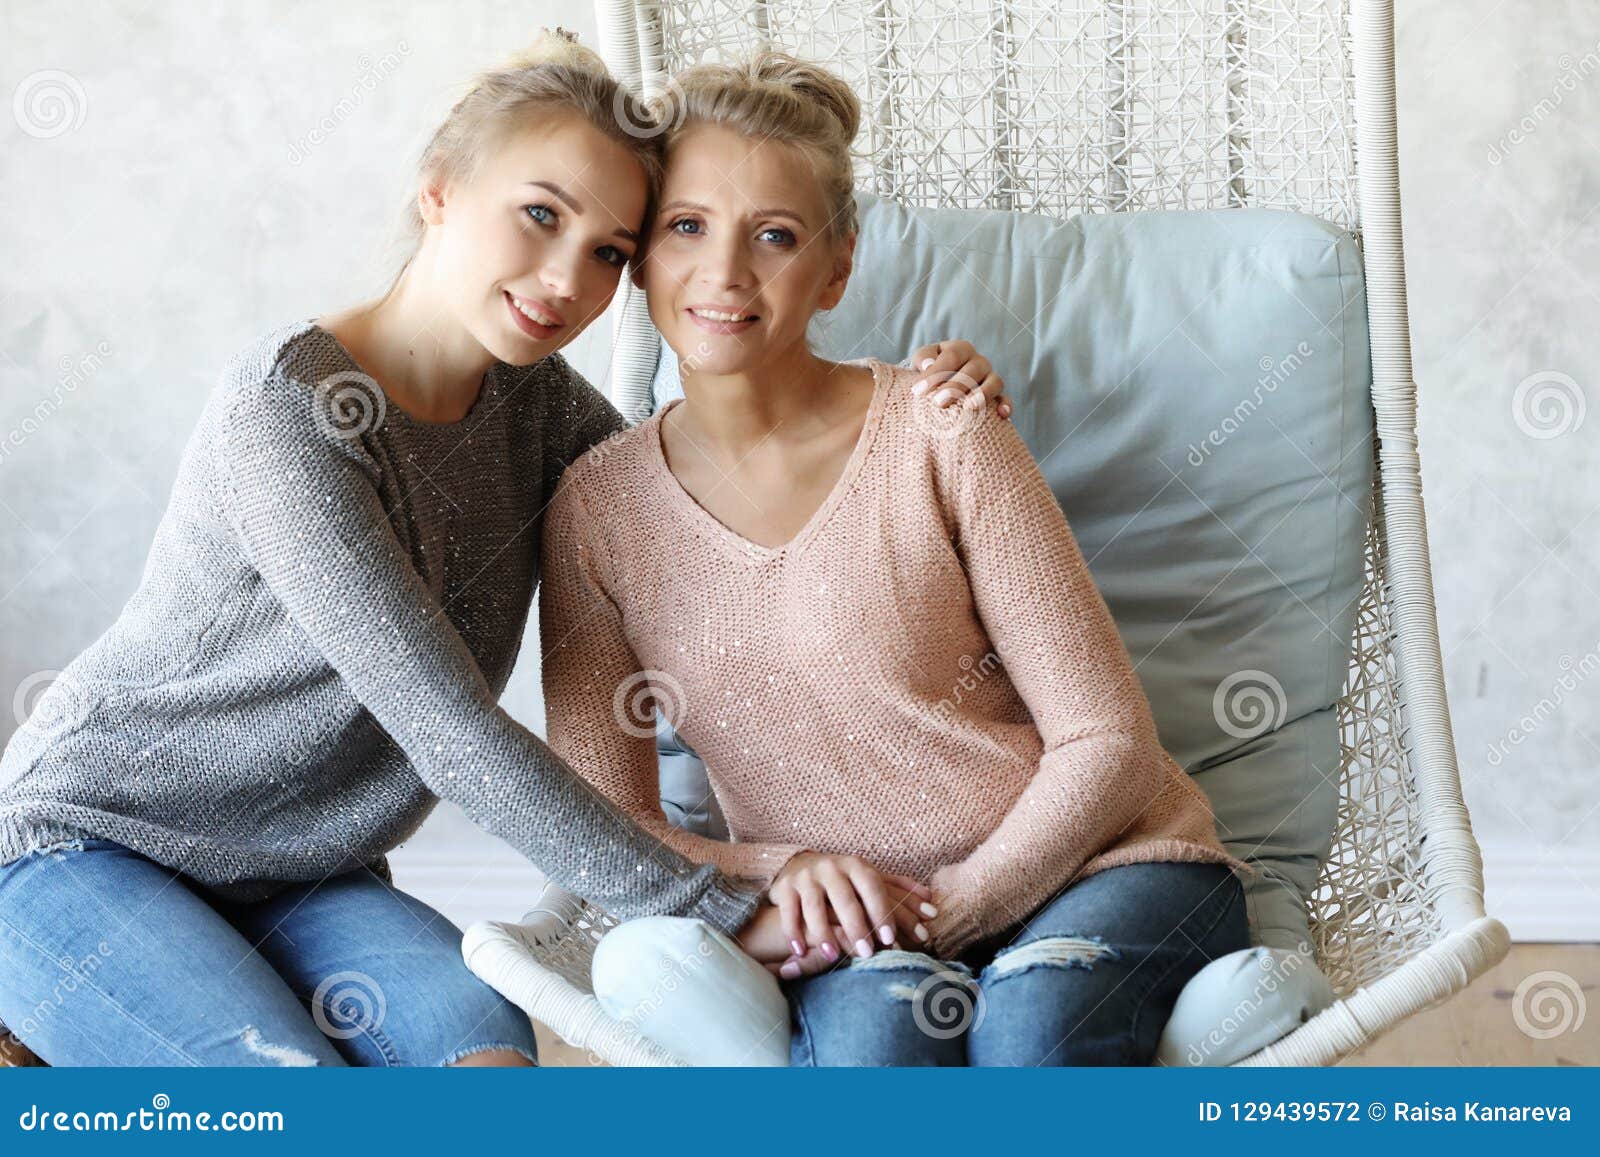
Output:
x,y
776,211
566,199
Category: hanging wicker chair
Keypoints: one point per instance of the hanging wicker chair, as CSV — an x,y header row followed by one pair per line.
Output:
x,y
1129,105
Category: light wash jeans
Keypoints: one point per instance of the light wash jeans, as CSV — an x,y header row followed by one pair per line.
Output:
x,y
107,958
1089,979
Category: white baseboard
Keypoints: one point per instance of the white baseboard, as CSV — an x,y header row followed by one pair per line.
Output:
x,y
1542,893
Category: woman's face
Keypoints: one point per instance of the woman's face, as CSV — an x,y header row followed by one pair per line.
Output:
x,y
531,246
740,256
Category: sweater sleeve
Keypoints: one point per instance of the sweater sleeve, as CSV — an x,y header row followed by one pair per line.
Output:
x,y
1102,763
599,701
304,502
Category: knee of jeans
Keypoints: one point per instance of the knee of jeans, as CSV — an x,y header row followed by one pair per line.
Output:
x,y
1055,952
896,964
505,1027
945,1000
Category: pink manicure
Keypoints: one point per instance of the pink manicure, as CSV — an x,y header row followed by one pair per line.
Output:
x,y
863,947
797,948
829,950
886,934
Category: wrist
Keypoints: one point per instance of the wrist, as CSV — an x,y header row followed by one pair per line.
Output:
x,y
957,925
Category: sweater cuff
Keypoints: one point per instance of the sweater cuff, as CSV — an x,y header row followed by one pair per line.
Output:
x,y
756,864
960,920
726,907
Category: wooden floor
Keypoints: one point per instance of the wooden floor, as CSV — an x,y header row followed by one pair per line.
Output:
x,y
1477,1027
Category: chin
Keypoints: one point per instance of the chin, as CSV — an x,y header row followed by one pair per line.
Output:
x,y
518,349
709,355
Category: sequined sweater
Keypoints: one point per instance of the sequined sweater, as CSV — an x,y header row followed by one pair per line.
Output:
x,y
925,675
315,652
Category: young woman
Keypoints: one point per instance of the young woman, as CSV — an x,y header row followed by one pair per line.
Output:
x,y
331,608
892,671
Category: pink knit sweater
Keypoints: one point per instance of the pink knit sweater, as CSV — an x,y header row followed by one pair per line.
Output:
x,y
925,675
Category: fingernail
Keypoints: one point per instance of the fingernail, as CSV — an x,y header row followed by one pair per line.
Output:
x,y
928,909
829,950
922,933
797,948
886,934
1005,410
920,387
975,400
789,971
943,397
863,947
926,362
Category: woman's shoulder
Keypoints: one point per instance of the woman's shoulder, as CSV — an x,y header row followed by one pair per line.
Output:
x,y
299,351
617,461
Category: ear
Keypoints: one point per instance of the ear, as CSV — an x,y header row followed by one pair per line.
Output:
x,y
430,202
834,290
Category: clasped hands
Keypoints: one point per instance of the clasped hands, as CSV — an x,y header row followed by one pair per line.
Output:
x,y
822,907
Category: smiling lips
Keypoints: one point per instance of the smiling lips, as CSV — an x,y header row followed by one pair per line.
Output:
x,y
716,319
534,318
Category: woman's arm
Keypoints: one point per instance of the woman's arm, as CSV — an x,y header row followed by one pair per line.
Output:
x,y
304,503
599,704
1103,763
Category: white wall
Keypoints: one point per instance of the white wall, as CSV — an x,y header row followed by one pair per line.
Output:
x,y
239,166
1500,177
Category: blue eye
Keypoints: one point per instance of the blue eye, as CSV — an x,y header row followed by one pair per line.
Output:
x,y
611,255
784,237
684,221
535,212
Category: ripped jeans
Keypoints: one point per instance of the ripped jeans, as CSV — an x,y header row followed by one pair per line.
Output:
x,y
1089,979
107,958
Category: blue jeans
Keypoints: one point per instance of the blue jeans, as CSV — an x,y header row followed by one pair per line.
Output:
x,y
107,958
1089,979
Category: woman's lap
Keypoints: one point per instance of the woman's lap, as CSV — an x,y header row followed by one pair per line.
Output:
x,y
1091,978
108,958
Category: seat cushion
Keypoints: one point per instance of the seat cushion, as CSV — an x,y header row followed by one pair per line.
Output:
x,y
1196,388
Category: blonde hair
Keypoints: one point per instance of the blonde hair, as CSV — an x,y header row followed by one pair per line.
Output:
x,y
775,96
554,72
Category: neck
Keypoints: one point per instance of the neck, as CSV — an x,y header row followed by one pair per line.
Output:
x,y
425,360
792,392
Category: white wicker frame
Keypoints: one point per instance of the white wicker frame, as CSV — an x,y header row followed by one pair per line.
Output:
x,y
1070,106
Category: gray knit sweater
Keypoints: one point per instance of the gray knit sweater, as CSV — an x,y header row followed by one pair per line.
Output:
x,y
314,656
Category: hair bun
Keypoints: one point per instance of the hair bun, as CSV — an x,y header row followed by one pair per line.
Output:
x,y
557,46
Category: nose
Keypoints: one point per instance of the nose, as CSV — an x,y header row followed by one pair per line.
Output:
x,y
560,275
725,264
